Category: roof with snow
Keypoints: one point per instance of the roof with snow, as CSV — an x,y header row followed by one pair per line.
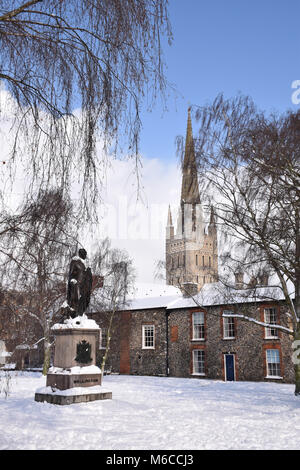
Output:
x,y
147,296
144,296
217,294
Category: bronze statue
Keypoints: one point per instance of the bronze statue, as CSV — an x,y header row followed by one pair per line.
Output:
x,y
79,285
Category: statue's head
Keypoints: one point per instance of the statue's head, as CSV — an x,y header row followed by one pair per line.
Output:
x,y
82,253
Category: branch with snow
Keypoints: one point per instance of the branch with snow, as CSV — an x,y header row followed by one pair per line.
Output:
x,y
257,322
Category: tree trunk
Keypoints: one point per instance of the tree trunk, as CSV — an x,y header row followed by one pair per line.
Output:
x,y
296,359
296,355
109,331
47,353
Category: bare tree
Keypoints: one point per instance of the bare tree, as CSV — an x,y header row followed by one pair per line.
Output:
x,y
249,167
116,269
77,71
19,331
35,246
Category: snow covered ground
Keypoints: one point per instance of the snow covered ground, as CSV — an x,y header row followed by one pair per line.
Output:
x,y
153,413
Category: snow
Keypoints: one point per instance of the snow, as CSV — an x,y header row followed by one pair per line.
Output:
x,y
79,322
8,366
149,302
76,370
147,295
217,294
5,354
153,413
72,391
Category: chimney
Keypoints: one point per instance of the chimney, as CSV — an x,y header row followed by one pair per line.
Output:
x,y
253,282
189,289
239,280
263,279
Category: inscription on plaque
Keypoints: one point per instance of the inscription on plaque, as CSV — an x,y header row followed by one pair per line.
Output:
x,y
84,381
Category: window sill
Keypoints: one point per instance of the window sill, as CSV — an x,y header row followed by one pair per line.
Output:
x,y
229,338
271,337
273,377
150,347
198,374
197,340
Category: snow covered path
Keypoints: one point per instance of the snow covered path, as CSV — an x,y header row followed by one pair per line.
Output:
x,y
154,413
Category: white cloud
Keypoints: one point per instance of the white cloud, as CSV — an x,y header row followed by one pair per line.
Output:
x,y
133,211
134,220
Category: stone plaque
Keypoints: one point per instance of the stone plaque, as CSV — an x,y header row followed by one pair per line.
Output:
x,y
83,352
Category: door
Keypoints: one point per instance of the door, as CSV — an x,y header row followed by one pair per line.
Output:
x,y
229,367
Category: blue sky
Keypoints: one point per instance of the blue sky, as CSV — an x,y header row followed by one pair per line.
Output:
x,y
229,46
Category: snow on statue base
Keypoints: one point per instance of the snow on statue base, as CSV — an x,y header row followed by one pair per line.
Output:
x,y
71,395
74,377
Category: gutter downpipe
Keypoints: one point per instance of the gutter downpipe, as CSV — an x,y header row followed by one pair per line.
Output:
x,y
167,343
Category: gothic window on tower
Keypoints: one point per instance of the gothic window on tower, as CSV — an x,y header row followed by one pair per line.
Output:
x,y
196,260
209,262
203,261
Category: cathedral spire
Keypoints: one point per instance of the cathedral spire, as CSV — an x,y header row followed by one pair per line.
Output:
x,y
191,251
169,223
189,186
212,227
212,220
169,227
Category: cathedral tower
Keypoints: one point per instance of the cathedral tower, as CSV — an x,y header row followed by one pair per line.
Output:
x,y
191,251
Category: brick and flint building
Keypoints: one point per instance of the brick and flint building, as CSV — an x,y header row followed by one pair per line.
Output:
x,y
193,327
163,333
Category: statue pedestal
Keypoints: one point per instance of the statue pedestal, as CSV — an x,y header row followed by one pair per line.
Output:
x,y
74,377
